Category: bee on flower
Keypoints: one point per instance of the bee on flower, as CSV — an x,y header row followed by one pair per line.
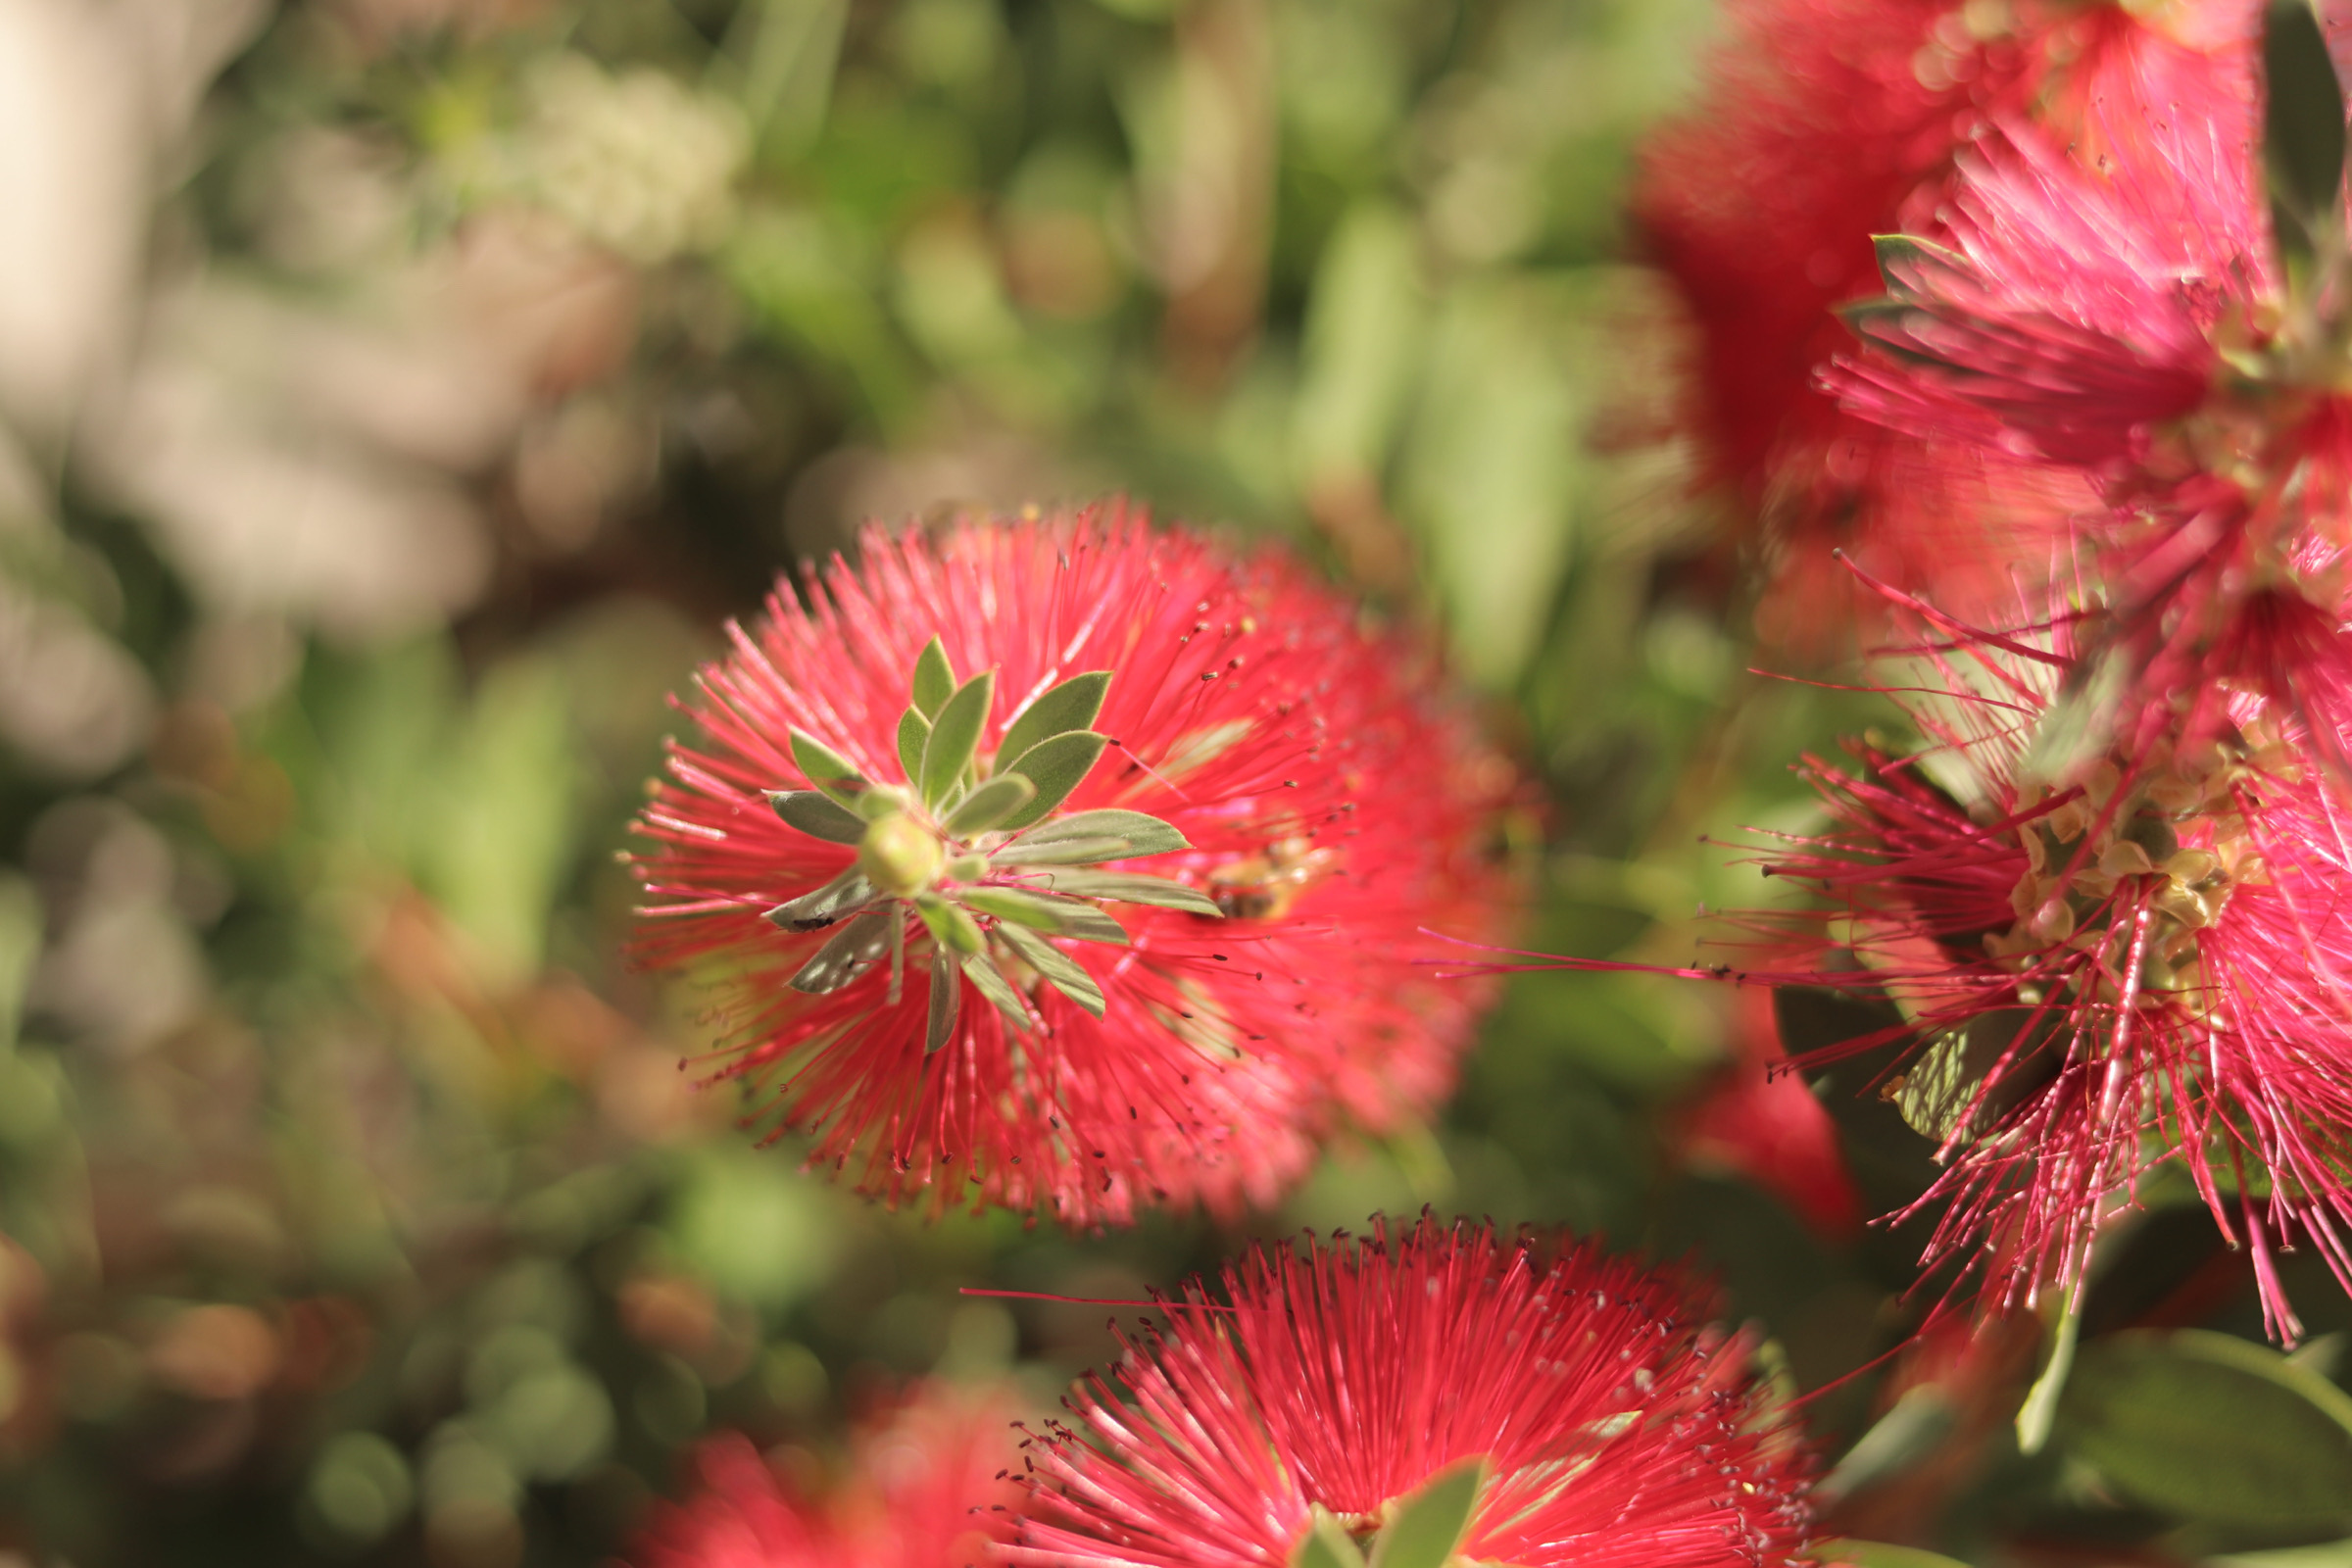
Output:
x,y
1078,865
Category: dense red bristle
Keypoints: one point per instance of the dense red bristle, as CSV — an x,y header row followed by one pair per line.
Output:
x,y
1228,1048
1618,1427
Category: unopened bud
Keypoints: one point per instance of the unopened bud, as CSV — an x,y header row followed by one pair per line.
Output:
x,y
899,856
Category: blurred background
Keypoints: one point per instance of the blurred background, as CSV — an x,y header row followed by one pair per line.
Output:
x,y
395,398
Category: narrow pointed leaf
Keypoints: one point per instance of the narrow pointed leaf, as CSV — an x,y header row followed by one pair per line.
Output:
x,y
1062,852
1070,706
947,999
846,956
1063,973
1129,887
1043,912
950,926
1147,835
1430,1523
2303,119
956,736
990,982
914,733
845,895
991,803
818,815
934,679
1055,766
826,769
1326,1544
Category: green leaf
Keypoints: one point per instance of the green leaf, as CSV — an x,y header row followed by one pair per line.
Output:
x,y
2210,1429
990,982
1058,966
1326,1544
1431,1522
846,956
1915,268
1133,887
1045,911
1143,835
845,893
826,769
946,999
950,926
818,814
1055,766
1891,1163
1941,1082
1062,852
1070,706
914,733
2039,1413
934,680
992,802
956,736
1849,1554
2303,126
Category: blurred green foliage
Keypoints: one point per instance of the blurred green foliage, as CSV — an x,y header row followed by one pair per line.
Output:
x,y
426,379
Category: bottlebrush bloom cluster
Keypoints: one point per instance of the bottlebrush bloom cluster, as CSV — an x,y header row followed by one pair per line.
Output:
x,y
1493,1399
922,1491
2109,353
2147,965
1831,122
1084,866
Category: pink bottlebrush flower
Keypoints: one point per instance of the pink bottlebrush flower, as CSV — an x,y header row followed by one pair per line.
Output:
x,y
1199,959
2145,965
1340,1383
925,1489
2100,301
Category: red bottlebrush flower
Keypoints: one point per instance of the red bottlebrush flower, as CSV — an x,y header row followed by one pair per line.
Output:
x,y
1282,804
1757,1118
2144,965
1346,1384
925,1490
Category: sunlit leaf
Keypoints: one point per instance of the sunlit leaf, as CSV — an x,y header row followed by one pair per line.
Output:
x,y
956,736
1062,852
1326,1544
826,769
1045,911
1055,766
845,895
1070,706
1132,887
934,680
914,733
1431,1522
818,815
950,926
947,999
990,982
1145,835
990,804
1062,971
846,956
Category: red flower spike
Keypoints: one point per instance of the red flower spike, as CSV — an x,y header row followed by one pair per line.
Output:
x,y
1271,762
1345,1381
926,1489
2145,965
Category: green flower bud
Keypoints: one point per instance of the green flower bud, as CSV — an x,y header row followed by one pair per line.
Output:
x,y
899,856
